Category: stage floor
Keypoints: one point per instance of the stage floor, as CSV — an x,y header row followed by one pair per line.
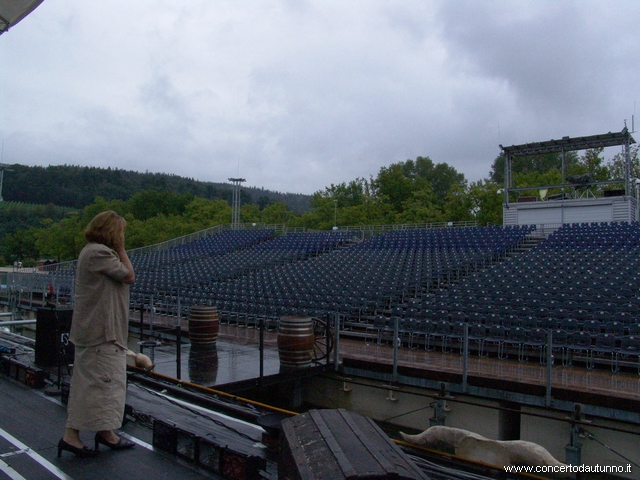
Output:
x,y
237,357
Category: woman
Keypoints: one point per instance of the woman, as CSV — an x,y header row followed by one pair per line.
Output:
x,y
99,331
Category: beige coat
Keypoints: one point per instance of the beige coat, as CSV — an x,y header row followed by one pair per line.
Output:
x,y
99,331
98,388
101,305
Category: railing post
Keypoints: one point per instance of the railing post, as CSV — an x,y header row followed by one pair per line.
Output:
x,y
179,342
336,344
142,319
151,315
261,327
396,328
549,367
465,357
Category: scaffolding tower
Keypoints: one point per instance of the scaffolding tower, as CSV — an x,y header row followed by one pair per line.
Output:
x,y
235,203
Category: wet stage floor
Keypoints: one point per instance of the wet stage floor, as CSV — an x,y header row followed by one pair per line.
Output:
x,y
236,357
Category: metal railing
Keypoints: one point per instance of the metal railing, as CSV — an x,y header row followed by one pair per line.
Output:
x,y
175,242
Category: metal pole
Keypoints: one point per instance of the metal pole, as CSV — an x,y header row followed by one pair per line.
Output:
x,y
16,322
141,320
465,357
151,316
336,344
627,167
507,177
549,365
637,215
179,342
261,327
396,322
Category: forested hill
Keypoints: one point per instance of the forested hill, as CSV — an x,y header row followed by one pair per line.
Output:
x,y
77,187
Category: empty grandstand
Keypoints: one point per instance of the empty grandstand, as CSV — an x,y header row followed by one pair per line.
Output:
x,y
432,280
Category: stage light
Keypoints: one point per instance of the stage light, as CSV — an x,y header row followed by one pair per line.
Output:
x,y
21,374
209,455
35,377
164,436
186,444
206,453
240,466
14,366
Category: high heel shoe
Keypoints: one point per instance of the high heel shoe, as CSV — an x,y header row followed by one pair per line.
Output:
x,y
83,452
121,445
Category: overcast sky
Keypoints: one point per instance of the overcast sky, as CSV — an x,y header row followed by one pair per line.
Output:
x,y
297,95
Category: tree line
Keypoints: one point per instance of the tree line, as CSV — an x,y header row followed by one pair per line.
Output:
x,y
413,191
76,187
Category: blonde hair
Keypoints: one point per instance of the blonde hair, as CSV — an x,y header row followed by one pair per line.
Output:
x,y
106,228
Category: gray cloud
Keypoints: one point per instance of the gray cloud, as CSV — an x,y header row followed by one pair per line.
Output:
x,y
295,95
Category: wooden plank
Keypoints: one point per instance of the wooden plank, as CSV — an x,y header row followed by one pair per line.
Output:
x,y
338,444
372,443
293,456
341,458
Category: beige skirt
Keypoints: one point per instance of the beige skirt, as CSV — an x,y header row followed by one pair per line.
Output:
x,y
98,388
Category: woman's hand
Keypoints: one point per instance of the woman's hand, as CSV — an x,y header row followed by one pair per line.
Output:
x,y
124,258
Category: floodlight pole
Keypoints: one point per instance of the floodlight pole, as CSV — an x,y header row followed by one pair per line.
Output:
x,y
636,192
627,162
235,203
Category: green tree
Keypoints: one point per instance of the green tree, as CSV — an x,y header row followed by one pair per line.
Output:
x,y
20,245
150,203
422,207
486,202
458,205
250,213
276,212
399,181
372,211
445,178
263,201
395,184
538,179
99,205
62,240
351,194
323,213
591,162
616,166
201,213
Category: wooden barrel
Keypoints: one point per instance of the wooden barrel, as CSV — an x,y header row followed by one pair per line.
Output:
x,y
295,341
203,325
